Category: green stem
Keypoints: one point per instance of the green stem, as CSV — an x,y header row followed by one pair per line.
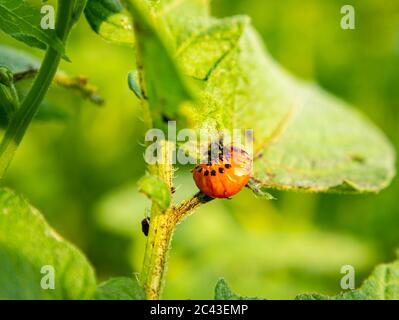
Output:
x,y
162,222
160,232
162,227
23,117
147,118
156,254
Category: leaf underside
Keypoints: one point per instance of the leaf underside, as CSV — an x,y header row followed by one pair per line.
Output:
x,y
304,138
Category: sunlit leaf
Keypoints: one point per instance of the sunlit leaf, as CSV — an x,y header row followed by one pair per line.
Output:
x,y
156,189
223,292
109,19
382,284
27,244
165,88
21,21
120,289
304,138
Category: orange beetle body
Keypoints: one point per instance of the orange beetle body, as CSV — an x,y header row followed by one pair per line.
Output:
x,y
225,176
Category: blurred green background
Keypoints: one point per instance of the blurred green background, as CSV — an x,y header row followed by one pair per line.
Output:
x,y
81,170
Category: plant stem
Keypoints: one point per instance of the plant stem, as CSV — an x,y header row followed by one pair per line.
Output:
x,y
24,115
162,227
156,254
162,222
184,209
160,231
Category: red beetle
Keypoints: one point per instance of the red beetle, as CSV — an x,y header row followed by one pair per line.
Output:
x,y
225,176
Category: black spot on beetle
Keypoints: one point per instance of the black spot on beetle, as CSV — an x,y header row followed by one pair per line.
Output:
x,y
227,165
199,170
221,170
213,173
206,173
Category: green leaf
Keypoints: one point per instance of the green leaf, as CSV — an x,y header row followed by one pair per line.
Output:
x,y
120,289
80,5
109,19
133,84
173,14
223,292
156,189
304,138
24,66
16,60
180,9
21,21
27,244
9,100
382,284
165,88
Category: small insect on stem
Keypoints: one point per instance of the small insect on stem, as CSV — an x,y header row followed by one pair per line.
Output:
x,y
145,226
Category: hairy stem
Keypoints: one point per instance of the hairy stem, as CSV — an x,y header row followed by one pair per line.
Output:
x,y
184,209
24,115
162,222
162,227
160,232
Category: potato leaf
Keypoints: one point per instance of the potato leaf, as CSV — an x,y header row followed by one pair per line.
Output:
x,y
173,14
21,21
78,9
304,138
383,284
24,66
156,189
17,60
109,19
223,292
29,248
166,90
120,289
